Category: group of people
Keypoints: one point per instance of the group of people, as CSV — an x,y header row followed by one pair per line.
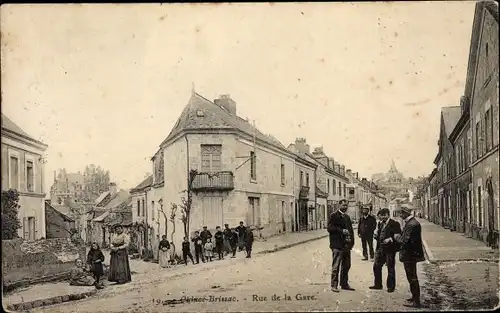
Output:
x,y
90,274
390,239
207,247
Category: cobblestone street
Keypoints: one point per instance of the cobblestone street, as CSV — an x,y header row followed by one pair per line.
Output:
x,y
299,272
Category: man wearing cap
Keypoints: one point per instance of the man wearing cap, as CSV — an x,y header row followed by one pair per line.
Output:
x,y
366,228
204,235
410,253
386,251
341,243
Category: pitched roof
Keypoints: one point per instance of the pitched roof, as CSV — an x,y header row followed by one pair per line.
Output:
x,y
10,126
481,6
215,117
64,216
451,115
144,184
101,197
120,197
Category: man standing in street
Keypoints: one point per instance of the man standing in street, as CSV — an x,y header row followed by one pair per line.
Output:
x,y
227,238
386,251
242,233
205,234
366,228
341,243
410,253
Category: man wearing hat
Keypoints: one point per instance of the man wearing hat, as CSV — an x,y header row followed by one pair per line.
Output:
x,y
341,243
386,251
204,235
410,253
366,227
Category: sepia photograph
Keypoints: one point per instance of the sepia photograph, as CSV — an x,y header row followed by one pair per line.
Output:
x,y
250,157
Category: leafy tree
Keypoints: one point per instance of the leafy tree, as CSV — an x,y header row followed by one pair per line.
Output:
x,y
96,182
10,208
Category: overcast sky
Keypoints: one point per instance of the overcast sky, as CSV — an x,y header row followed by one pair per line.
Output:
x,y
104,84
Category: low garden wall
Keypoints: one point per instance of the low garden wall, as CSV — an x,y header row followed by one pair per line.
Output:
x,y
30,262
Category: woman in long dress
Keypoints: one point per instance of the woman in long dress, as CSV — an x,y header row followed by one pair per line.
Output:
x,y
164,253
119,267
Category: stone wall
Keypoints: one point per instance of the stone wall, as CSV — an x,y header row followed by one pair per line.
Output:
x,y
26,262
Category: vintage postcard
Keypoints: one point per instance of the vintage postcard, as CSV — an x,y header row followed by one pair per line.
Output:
x,y
250,157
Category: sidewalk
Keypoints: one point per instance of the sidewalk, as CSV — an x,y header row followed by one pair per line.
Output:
x,y
443,245
144,274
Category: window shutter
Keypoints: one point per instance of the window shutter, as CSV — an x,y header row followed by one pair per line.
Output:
x,y
25,228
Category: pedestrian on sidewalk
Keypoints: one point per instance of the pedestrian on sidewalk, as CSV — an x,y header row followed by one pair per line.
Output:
x,y
95,257
341,243
205,235
164,252
410,253
209,250
233,242
219,242
186,251
366,227
386,251
242,232
198,247
249,242
119,267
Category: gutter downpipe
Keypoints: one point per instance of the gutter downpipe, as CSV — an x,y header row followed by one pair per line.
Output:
x,y
316,209
187,168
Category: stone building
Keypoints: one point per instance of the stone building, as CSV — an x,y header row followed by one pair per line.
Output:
x,y
23,170
445,161
482,92
243,174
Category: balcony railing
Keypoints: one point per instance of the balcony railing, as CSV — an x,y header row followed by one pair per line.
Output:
x,y
304,192
213,181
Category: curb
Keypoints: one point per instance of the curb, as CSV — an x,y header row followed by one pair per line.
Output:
x,y
23,306
428,252
430,257
291,245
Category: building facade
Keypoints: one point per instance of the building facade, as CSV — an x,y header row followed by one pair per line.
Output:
x,y
466,180
23,170
482,92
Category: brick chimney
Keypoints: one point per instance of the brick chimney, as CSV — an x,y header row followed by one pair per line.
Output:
x,y
356,175
302,147
113,189
227,103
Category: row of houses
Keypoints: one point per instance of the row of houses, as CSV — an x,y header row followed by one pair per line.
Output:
x,y
462,192
241,174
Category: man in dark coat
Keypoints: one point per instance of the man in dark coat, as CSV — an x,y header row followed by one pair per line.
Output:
x,y
227,238
249,242
366,227
386,251
219,242
341,243
233,242
204,235
411,252
242,233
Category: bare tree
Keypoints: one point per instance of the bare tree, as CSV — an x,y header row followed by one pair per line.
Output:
x,y
186,203
173,211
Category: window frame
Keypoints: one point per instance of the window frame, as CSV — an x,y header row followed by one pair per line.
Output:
x,y
253,166
283,175
16,155
31,159
213,150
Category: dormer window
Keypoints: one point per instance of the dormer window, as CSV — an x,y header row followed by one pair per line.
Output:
x,y
200,113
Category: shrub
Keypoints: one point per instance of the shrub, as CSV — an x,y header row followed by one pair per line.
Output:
x,y
10,208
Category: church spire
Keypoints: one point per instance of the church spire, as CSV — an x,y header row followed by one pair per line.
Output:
x,y
393,166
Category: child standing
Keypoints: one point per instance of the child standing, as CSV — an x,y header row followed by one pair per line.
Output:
x,y
198,248
209,249
95,257
186,250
